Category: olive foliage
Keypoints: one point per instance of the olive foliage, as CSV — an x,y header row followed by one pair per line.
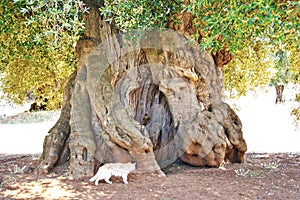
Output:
x,y
234,23
259,66
38,38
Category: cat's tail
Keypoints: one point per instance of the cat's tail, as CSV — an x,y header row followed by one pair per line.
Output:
x,y
99,172
93,178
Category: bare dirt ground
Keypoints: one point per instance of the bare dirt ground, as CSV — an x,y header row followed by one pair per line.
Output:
x,y
262,176
274,176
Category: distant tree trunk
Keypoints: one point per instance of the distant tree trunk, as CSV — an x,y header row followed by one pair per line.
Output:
x,y
153,102
279,93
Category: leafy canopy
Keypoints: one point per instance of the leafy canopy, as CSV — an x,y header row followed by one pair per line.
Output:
x,y
235,23
250,68
37,40
130,15
37,37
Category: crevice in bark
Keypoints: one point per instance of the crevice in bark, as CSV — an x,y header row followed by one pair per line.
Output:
x,y
222,57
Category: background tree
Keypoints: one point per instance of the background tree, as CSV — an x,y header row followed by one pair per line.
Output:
x,y
242,74
90,132
283,74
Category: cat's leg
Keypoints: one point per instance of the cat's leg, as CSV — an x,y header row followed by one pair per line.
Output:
x,y
107,180
97,180
125,178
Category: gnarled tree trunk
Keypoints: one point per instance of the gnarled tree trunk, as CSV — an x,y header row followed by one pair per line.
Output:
x,y
152,100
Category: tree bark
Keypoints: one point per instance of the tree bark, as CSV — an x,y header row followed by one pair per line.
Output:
x,y
55,147
153,101
279,94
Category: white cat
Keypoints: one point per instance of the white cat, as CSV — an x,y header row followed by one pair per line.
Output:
x,y
113,169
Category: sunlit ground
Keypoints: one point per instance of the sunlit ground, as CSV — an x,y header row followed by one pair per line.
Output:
x,y
52,188
267,127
